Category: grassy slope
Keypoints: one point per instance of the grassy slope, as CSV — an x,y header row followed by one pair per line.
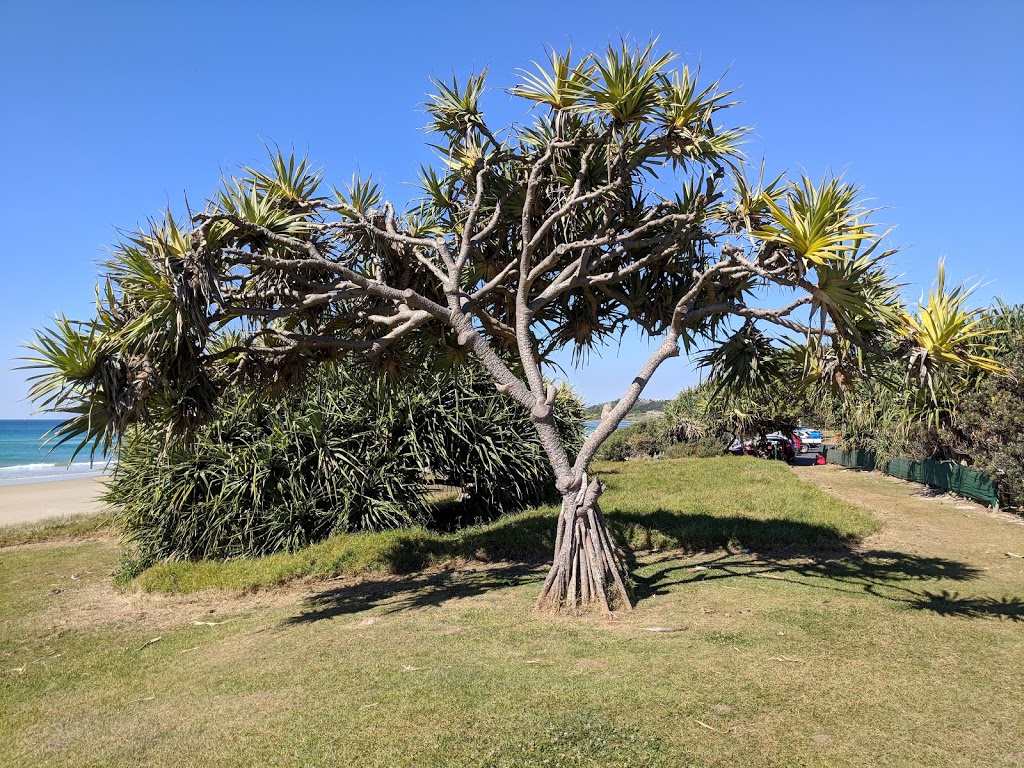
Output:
x,y
839,658
748,503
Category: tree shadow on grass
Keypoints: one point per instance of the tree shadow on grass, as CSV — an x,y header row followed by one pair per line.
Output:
x,y
414,592
894,576
520,546
814,555
663,529
947,603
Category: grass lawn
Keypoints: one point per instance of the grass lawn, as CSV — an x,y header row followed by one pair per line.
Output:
x,y
848,625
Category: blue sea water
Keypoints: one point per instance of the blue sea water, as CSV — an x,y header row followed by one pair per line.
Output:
x,y
590,426
25,458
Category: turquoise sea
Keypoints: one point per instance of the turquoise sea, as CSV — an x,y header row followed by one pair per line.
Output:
x,y
24,457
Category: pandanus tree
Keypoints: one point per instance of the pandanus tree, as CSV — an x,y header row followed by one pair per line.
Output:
x,y
623,201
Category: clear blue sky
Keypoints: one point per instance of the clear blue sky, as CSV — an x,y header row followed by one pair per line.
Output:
x,y
111,111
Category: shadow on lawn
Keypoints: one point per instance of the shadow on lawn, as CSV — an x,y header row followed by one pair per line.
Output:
x,y
812,555
895,576
416,591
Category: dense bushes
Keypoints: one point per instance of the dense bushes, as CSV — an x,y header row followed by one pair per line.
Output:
x,y
645,438
464,434
980,423
989,427
345,453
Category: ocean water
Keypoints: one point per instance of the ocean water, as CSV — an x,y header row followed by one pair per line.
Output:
x,y
25,458
590,426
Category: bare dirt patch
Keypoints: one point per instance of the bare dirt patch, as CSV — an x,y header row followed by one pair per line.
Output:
x,y
90,599
99,602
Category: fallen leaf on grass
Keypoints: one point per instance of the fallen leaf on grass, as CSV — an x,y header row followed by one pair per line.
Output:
x,y
664,629
532,661
407,668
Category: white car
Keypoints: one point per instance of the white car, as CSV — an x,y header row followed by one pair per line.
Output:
x,y
809,438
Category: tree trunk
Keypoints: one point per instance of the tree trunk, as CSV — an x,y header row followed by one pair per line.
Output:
x,y
587,572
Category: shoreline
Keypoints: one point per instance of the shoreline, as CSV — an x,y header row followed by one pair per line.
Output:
x,y
35,500
54,478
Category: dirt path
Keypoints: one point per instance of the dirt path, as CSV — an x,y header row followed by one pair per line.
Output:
x,y
921,521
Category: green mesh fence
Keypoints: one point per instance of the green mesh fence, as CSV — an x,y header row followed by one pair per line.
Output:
x,y
966,481
859,459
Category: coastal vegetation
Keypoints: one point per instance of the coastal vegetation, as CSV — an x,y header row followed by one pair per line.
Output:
x,y
973,417
622,203
341,452
705,419
965,416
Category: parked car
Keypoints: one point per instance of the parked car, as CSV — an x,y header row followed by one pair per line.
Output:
x,y
777,446
809,438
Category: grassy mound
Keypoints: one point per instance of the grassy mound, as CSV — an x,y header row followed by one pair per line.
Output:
x,y
688,504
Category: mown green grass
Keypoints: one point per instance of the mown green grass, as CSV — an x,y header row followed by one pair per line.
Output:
x,y
900,652
681,504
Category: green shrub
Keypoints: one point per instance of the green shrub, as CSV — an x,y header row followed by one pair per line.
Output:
x,y
341,454
466,435
643,439
990,424
268,477
615,448
704,448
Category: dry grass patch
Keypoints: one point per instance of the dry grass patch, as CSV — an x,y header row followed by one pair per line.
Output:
x,y
65,528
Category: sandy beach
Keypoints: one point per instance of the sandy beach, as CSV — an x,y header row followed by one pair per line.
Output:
x,y
35,501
